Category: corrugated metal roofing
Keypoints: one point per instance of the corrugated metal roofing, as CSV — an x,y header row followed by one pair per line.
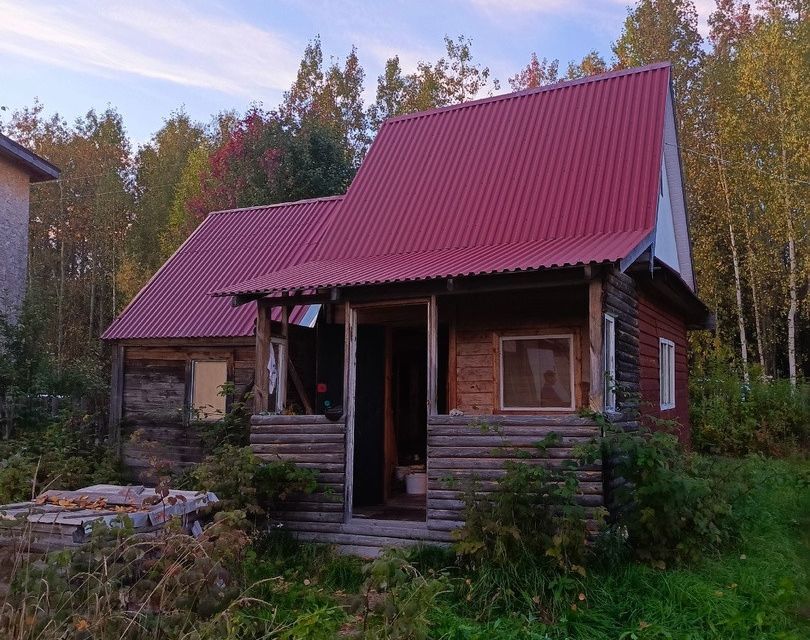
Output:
x,y
228,247
563,174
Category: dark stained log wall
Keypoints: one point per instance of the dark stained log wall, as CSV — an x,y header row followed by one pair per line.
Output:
x,y
620,300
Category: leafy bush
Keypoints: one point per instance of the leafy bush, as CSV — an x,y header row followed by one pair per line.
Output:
x,y
672,506
729,417
242,481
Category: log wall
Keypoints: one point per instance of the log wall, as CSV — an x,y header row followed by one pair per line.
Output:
x,y
621,301
463,448
459,450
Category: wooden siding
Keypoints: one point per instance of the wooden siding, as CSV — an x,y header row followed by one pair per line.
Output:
x,y
479,321
655,322
463,448
155,434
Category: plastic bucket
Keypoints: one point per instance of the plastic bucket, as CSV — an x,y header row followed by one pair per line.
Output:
x,y
416,484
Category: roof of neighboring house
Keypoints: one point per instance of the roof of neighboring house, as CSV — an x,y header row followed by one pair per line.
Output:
x,y
227,247
559,175
39,169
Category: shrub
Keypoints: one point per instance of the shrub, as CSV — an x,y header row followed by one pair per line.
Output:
x,y
672,506
730,417
242,481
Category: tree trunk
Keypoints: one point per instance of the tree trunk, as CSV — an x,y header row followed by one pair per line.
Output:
x,y
755,297
736,264
792,277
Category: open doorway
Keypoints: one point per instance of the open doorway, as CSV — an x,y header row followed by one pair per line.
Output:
x,y
390,413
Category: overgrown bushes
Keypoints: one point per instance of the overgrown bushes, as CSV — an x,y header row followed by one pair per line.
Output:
x,y
65,453
733,418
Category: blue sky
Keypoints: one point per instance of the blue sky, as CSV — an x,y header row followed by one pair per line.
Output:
x,y
148,58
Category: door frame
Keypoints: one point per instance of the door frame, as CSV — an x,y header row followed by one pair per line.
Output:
x,y
350,379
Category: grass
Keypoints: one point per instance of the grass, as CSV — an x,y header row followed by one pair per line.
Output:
x,y
758,589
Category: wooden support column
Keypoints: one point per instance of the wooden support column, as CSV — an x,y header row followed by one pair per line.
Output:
x,y
349,370
116,394
261,378
595,322
283,350
452,362
432,355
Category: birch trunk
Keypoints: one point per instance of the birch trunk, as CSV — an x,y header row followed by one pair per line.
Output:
x,y
755,297
793,294
736,264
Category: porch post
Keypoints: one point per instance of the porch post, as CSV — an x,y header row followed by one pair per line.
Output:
x,y
261,379
116,394
283,360
350,362
432,355
595,323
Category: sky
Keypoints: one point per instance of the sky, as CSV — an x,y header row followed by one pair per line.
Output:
x,y
148,58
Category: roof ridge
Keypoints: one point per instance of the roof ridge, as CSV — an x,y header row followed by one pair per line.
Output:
x,y
616,73
277,205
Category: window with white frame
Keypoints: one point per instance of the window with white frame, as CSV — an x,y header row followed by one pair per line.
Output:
x,y
666,372
609,357
537,372
207,378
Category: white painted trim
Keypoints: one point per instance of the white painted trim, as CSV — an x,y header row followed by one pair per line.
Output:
x,y
570,337
609,367
674,175
670,374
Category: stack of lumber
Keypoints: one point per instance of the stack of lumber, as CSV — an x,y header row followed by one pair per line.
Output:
x,y
64,519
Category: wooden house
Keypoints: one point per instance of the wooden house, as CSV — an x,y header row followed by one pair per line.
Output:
x,y
495,267
175,346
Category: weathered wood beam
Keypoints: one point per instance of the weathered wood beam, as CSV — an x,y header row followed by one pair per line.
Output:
x,y
283,350
116,394
595,323
432,355
349,374
299,387
261,378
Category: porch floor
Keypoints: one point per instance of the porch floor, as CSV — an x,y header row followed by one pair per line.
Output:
x,y
401,507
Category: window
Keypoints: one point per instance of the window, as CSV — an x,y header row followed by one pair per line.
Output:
x,y
609,355
537,372
207,376
666,372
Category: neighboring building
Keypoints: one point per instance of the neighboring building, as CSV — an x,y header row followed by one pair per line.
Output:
x,y
503,262
19,168
174,345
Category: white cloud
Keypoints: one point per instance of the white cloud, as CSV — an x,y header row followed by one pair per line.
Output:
x,y
166,41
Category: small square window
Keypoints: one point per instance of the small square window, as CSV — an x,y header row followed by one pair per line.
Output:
x,y
609,358
537,372
666,372
207,378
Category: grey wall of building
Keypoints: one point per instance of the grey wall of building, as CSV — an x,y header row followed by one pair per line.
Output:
x,y
14,201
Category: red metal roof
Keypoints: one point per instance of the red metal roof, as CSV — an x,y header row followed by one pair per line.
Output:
x,y
229,246
564,174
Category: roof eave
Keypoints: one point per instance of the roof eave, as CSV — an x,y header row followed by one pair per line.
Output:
x,y
39,169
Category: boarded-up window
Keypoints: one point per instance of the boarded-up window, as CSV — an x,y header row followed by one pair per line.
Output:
x,y
537,372
207,378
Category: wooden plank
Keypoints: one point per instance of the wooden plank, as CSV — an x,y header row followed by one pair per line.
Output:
x,y
432,355
283,420
512,420
350,369
116,394
595,322
283,350
261,396
299,387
